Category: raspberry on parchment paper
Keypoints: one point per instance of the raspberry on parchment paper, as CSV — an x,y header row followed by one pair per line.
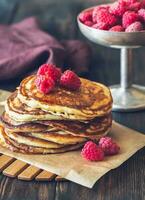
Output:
x,y
92,152
109,146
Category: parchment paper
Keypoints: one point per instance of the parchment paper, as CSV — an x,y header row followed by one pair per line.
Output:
x,y
73,167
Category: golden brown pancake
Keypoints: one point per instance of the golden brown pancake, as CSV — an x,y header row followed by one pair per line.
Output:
x,y
90,101
22,113
60,121
93,127
15,126
62,137
5,141
32,141
55,137
7,120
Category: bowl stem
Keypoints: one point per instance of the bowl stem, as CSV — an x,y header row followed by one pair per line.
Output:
x,y
126,68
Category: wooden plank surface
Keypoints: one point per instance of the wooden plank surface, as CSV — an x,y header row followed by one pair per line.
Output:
x,y
59,178
15,168
29,173
45,176
5,161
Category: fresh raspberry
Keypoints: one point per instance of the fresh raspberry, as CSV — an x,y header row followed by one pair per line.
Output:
x,y
117,28
42,69
70,80
88,23
143,4
85,16
44,84
104,16
109,146
101,26
134,6
141,14
132,1
134,27
118,9
96,10
51,71
92,152
129,17
128,1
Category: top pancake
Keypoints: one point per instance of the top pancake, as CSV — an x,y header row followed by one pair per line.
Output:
x,y
90,101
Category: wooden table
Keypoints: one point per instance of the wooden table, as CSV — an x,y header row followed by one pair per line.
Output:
x,y
124,183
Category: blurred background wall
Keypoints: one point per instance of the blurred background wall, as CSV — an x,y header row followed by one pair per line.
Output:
x,y
58,17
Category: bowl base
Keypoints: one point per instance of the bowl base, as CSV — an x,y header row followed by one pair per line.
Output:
x,y
130,99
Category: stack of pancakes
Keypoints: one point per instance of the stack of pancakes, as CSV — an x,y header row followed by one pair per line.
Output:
x,y
60,121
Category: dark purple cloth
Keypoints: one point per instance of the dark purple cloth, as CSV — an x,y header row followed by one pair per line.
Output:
x,y
23,47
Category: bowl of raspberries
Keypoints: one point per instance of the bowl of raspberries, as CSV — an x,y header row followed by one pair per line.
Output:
x,y
118,23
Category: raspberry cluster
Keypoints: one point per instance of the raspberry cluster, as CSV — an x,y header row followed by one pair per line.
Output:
x,y
120,16
96,152
49,76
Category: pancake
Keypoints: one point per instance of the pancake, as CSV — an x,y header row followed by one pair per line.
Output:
x,y
60,121
66,132
32,141
7,120
58,137
90,101
5,141
97,126
62,137
94,127
15,126
20,112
